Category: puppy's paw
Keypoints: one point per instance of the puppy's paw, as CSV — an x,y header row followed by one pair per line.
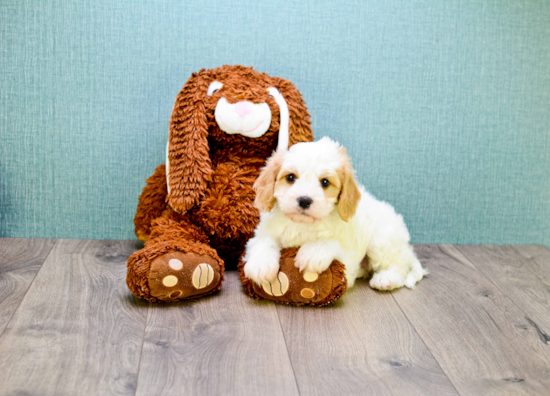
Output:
x,y
316,256
416,274
387,280
262,268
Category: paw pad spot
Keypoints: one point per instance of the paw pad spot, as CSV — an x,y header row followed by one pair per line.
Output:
x,y
175,264
278,287
169,281
310,276
307,293
175,294
203,276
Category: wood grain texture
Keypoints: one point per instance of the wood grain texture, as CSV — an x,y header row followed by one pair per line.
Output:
x,y
362,345
224,344
78,331
522,273
481,339
478,324
20,261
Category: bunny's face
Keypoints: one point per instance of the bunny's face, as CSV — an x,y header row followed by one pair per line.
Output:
x,y
232,110
244,107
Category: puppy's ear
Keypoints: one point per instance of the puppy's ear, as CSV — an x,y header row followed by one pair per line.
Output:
x,y
188,159
349,194
265,183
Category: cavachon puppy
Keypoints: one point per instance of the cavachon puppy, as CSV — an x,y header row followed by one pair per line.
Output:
x,y
308,198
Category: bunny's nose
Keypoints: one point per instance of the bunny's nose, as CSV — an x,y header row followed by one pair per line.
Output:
x,y
243,108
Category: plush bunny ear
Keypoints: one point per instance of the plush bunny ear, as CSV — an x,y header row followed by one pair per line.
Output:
x,y
188,166
299,123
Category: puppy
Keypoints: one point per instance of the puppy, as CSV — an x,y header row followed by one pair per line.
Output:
x,y
308,197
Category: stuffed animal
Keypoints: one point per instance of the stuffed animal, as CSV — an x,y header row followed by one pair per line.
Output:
x,y
293,287
197,211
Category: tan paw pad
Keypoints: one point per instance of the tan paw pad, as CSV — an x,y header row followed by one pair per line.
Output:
x,y
175,264
307,293
278,287
169,281
203,276
310,276
178,275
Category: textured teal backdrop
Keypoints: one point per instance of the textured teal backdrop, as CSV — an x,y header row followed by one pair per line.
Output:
x,y
444,105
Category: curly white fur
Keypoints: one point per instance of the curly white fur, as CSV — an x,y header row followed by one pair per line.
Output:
x,y
374,230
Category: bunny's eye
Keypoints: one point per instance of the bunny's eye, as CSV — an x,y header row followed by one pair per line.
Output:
x,y
215,86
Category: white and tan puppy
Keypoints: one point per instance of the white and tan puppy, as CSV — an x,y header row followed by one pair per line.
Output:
x,y
308,197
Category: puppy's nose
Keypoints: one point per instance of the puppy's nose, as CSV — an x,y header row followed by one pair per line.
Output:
x,y
305,202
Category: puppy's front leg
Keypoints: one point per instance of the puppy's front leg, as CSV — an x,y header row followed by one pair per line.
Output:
x,y
262,259
316,256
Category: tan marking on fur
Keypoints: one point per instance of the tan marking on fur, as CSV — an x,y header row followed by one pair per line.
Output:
x,y
283,173
282,184
265,183
333,190
349,194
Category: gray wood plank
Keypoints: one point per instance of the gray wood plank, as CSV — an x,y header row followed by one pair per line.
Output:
x,y
481,339
20,260
361,345
78,330
522,273
224,344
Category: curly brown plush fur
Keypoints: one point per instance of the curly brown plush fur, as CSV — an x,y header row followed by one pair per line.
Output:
x,y
210,207
326,289
152,202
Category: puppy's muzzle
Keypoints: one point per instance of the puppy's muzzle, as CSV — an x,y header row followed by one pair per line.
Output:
x,y
305,202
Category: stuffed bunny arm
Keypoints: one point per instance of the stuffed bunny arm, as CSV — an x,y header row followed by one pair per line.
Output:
x,y
152,202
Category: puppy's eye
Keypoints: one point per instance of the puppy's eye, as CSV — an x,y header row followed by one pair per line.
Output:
x,y
291,177
325,183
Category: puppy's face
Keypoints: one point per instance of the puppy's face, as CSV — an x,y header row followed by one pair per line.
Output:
x,y
308,182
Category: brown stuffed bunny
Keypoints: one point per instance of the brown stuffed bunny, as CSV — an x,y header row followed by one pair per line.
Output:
x,y
197,211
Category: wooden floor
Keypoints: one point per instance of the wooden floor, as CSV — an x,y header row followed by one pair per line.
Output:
x,y
479,324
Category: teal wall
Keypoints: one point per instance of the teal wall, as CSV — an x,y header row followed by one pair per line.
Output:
x,y
443,105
